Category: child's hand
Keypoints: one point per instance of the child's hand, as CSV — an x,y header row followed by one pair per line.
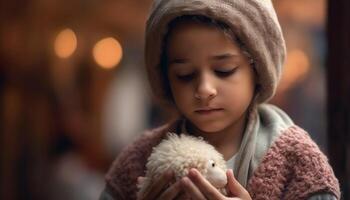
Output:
x,y
160,188
197,187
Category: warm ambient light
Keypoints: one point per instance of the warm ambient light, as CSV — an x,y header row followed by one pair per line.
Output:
x,y
296,67
65,43
107,53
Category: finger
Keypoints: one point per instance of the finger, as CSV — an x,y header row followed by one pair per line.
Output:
x,y
158,185
204,185
140,179
182,196
234,187
171,192
191,190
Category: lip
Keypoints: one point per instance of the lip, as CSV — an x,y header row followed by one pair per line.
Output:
x,y
206,111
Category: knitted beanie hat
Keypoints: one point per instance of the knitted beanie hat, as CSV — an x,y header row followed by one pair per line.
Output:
x,y
254,23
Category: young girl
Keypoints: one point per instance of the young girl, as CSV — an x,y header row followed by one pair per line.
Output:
x,y
216,62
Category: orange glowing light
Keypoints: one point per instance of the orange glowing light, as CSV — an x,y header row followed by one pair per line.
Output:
x,y
107,53
65,43
295,69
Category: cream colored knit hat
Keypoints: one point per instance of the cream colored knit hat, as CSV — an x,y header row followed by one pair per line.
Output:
x,y
254,22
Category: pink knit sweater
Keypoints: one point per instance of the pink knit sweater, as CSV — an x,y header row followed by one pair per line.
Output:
x,y
292,168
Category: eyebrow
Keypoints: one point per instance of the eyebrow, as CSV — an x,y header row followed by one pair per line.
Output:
x,y
214,58
223,56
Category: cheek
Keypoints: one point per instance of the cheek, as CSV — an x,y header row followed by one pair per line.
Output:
x,y
181,93
239,92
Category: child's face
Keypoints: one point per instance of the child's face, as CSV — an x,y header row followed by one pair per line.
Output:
x,y
208,71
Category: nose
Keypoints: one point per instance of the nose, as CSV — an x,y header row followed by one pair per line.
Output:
x,y
206,89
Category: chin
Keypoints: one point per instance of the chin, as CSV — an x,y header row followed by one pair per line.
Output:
x,y
211,128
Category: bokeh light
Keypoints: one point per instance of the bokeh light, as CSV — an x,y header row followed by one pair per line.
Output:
x,y
107,53
65,43
296,67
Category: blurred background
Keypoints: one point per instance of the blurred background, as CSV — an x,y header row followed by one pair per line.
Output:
x,y
73,89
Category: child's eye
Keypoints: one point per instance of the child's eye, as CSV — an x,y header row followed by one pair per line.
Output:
x,y
187,77
223,73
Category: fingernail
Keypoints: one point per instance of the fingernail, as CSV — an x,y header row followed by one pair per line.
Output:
x,y
185,181
193,172
230,171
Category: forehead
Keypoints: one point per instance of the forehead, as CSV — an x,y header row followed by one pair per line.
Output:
x,y
195,37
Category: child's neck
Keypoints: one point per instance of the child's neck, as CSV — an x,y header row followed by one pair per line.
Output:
x,y
226,141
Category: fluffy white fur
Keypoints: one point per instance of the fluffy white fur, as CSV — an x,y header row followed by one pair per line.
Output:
x,y
180,154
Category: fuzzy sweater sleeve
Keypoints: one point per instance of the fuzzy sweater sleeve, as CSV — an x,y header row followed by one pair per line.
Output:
x,y
293,168
121,178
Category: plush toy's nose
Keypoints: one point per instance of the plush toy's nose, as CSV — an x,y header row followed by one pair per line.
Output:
x,y
217,177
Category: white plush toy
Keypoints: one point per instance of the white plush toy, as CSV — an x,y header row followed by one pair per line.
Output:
x,y
180,154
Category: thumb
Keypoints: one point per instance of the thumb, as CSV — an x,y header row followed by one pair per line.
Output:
x,y
140,179
234,187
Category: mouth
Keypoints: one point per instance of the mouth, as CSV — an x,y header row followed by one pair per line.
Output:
x,y
206,111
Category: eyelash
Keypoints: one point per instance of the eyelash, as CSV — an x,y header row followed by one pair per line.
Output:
x,y
186,78
222,74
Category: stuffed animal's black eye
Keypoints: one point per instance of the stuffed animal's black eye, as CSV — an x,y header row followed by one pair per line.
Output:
x,y
213,164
